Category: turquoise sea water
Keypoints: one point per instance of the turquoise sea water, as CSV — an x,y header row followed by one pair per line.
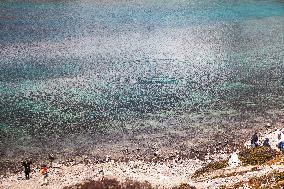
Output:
x,y
74,66
54,21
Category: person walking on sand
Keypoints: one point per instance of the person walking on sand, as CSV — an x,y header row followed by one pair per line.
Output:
x,y
44,174
27,168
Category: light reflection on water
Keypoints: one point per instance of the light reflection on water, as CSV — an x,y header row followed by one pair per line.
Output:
x,y
84,63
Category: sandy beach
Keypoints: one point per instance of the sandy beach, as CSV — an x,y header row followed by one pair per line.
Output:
x,y
159,172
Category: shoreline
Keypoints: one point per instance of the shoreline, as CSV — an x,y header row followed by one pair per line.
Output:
x,y
160,175
188,135
140,154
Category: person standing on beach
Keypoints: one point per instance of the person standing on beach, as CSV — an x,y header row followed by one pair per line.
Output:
x,y
51,158
280,144
254,140
266,143
234,160
44,173
27,168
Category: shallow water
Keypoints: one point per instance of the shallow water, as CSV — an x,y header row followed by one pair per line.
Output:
x,y
91,66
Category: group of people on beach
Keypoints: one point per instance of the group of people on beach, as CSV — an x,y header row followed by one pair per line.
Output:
x,y
255,143
280,144
234,160
43,171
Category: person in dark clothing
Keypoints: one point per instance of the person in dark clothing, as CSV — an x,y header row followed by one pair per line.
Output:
x,y
266,142
51,158
281,145
254,140
27,168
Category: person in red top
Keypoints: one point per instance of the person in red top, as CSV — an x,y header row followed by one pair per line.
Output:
x,y
44,173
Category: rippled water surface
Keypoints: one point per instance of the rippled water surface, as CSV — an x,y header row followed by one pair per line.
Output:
x,y
68,66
